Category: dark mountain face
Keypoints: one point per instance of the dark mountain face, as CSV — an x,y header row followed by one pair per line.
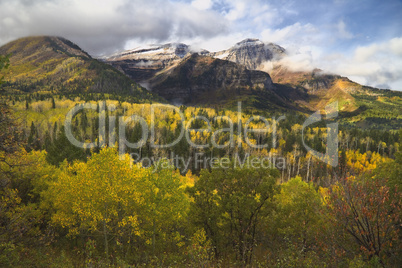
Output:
x,y
183,77
143,63
56,65
203,80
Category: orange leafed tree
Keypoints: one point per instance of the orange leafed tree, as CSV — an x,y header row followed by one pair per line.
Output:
x,y
369,212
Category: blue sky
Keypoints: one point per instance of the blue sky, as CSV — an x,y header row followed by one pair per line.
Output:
x,y
359,39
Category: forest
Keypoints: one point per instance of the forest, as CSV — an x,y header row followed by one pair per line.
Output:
x,y
64,206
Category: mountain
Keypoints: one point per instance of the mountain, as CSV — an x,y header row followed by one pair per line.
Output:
x,y
142,63
182,76
252,53
321,87
174,71
200,80
158,66
56,65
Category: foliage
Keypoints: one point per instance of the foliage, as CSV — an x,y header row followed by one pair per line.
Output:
x,y
22,221
392,170
9,132
65,206
297,216
200,250
162,207
125,204
4,64
368,211
229,204
97,196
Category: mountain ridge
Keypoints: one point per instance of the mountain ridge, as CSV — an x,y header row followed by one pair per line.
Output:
x,y
206,80
56,65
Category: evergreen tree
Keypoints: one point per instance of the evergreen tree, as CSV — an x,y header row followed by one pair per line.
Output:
x,y
62,149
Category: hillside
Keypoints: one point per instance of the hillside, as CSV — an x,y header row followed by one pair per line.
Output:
x,y
251,53
321,87
56,65
203,80
142,63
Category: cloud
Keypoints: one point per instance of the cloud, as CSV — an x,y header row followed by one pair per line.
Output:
x,y
297,62
202,4
217,43
105,26
377,64
237,10
300,34
331,36
342,31
144,63
257,14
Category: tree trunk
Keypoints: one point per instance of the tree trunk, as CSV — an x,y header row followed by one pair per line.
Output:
x,y
106,239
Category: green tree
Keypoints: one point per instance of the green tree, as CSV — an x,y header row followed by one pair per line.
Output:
x,y
392,170
61,149
163,207
4,64
98,197
297,220
129,206
23,223
229,204
10,133
53,104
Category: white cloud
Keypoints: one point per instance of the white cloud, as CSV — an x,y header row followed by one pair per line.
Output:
x,y
217,43
237,10
298,62
297,33
395,46
202,4
377,64
342,31
308,47
105,26
257,14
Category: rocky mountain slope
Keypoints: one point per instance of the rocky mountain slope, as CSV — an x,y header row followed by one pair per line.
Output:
x,y
172,72
204,80
182,76
251,53
155,66
321,87
56,65
143,63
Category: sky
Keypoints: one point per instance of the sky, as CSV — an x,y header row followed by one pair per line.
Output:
x,y
360,39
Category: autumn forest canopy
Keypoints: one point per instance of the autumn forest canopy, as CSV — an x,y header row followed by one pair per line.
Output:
x,y
231,188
